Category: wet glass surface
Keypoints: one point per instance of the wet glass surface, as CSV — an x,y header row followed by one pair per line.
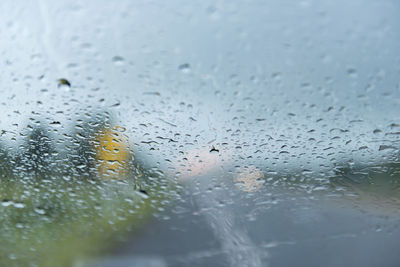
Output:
x,y
201,133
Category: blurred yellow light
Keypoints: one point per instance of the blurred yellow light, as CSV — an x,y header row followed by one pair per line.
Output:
x,y
112,154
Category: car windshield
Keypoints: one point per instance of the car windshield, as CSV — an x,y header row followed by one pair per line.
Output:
x,y
199,133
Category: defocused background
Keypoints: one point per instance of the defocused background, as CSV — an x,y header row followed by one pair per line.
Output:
x,y
260,133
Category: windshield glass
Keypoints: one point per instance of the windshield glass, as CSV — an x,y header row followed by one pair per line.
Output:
x,y
200,133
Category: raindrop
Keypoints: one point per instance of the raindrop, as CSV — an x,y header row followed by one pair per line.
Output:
x,y
185,68
118,60
352,72
143,194
385,147
55,123
19,205
64,83
214,150
40,211
6,203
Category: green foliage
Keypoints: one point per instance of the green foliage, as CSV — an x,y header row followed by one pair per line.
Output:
x,y
53,215
56,222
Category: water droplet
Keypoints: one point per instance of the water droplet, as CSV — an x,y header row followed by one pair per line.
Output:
x,y
19,205
64,83
213,150
118,60
40,211
185,68
352,72
6,203
143,194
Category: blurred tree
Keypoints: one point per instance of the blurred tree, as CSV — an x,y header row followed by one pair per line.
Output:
x,y
81,151
36,157
6,161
